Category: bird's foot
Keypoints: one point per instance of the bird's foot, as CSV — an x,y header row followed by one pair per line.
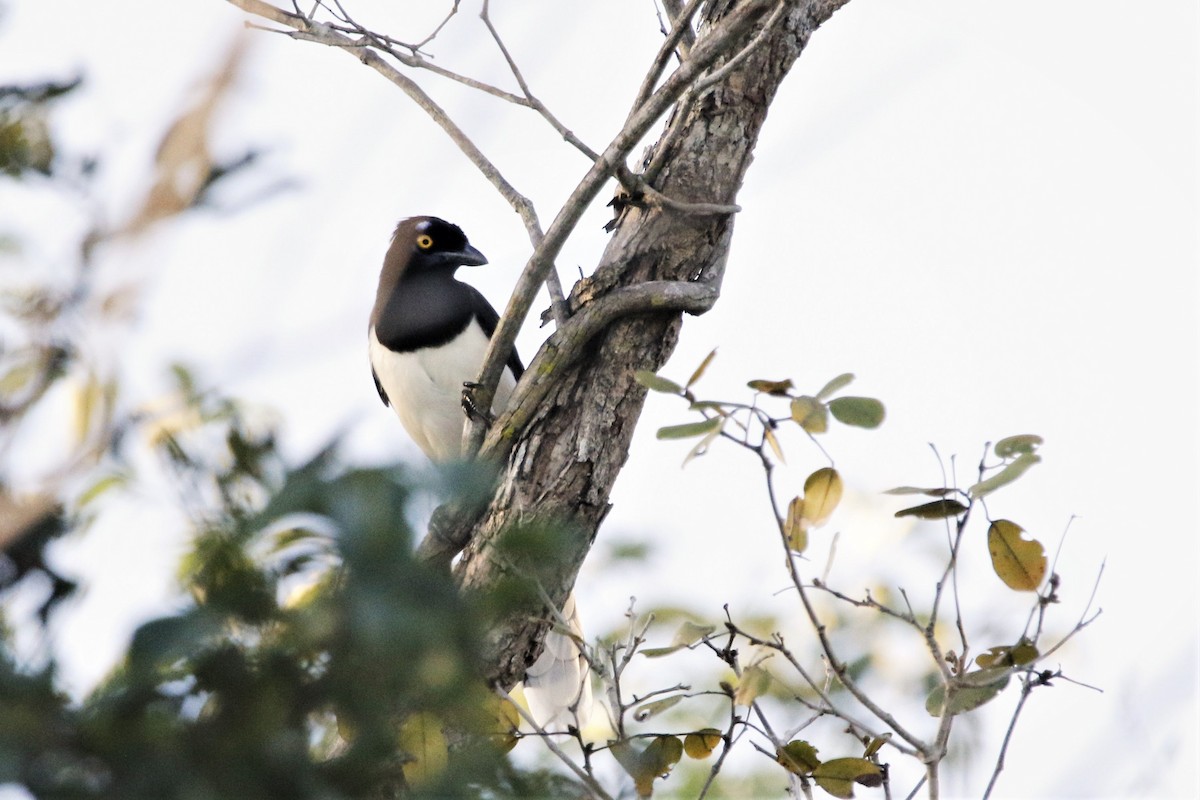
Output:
x,y
471,407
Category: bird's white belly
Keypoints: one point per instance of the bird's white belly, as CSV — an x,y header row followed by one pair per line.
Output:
x,y
425,387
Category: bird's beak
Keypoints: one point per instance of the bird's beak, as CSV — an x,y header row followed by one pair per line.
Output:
x,y
470,257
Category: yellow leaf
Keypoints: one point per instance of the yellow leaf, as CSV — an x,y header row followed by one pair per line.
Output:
x,y
87,398
769,437
423,743
755,680
701,743
822,493
1020,562
876,743
703,366
810,414
796,526
501,721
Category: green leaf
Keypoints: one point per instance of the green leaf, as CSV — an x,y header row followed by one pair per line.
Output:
x,y
689,429
1020,562
657,383
102,485
839,775
810,414
840,382
1022,444
690,632
687,634
1018,655
938,509
822,493
774,388
918,490
1010,473
647,710
862,412
656,760
700,369
701,447
701,743
980,687
798,756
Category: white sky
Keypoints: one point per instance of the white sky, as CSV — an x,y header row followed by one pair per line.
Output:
x,y
985,211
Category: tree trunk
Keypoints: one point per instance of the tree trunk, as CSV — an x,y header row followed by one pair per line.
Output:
x,y
565,462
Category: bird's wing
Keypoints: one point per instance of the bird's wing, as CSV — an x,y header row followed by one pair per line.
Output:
x,y
488,320
379,387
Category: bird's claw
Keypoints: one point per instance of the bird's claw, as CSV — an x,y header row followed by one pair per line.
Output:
x,y
472,409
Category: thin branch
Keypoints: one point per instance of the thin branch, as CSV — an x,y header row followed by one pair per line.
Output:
x,y
722,72
564,346
681,31
1026,690
588,781
324,34
438,29
676,13
709,49
532,101
839,667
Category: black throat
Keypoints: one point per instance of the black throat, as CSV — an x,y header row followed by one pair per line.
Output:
x,y
425,309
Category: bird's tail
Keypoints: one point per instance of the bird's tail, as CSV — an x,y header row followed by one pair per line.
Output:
x,y
558,687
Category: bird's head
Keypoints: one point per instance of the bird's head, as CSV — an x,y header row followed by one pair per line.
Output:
x,y
425,243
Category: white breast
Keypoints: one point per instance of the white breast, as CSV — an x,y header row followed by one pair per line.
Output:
x,y
425,388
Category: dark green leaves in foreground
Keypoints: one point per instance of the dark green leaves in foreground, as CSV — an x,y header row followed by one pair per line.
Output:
x,y
318,660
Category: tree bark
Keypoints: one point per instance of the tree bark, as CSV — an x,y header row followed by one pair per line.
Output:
x,y
564,463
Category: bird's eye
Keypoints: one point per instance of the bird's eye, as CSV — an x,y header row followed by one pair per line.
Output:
x,y
424,241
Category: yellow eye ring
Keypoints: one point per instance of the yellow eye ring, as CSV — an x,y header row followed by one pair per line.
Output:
x,y
424,241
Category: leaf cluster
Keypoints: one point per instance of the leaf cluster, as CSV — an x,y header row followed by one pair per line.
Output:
x,y
317,659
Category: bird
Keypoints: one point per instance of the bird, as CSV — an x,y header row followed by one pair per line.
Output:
x,y
427,337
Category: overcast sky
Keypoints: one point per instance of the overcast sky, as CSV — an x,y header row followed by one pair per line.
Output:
x,y
987,212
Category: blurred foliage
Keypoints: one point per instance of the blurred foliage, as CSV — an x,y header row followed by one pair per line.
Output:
x,y
313,643
25,142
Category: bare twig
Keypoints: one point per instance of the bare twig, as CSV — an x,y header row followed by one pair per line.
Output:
x,y
681,32
324,34
588,781
438,29
707,50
